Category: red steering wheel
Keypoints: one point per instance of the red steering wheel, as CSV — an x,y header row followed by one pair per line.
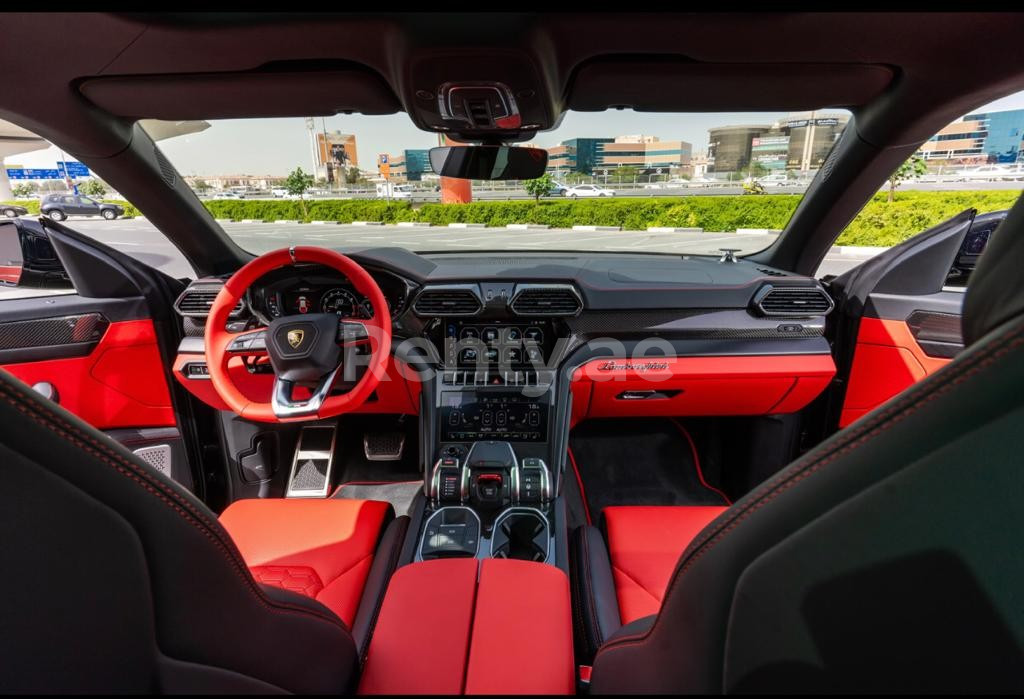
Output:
x,y
305,350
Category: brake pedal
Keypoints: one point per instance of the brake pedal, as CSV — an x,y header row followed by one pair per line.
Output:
x,y
383,446
310,476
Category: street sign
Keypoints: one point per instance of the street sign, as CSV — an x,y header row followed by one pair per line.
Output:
x,y
34,174
74,168
384,165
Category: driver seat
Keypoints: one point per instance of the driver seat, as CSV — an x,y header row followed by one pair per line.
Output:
x,y
119,580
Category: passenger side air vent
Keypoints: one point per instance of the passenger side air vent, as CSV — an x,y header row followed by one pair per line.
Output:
x,y
196,302
793,301
546,300
448,301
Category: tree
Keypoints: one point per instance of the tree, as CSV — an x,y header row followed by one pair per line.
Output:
x,y
355,176
757,169
914,167
92,188
539,187
24,189
298,183
201,186
625,173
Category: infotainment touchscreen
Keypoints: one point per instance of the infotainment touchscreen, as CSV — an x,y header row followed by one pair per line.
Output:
x,y
474,415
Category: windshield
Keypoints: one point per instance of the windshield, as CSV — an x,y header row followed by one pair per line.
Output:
x,y
618,181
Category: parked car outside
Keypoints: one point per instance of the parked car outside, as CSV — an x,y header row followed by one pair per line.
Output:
x,y
984,173
13,210
60,206
588,190
557,190
778,179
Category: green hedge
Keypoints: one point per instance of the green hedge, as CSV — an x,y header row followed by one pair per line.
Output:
x,y
884,223
879,223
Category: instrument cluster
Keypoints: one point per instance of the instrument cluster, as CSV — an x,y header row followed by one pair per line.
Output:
x,y
327,292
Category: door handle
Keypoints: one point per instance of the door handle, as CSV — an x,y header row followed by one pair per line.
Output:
x,y
647,395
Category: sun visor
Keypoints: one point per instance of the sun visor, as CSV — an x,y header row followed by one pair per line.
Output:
x,y
677,86
242,95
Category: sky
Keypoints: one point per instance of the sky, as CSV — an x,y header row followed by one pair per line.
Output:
x,y
277,146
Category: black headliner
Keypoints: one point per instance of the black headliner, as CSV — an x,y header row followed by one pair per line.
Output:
x,y
941,66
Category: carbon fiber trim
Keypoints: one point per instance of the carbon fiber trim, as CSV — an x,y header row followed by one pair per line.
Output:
x,y
52,332
693,323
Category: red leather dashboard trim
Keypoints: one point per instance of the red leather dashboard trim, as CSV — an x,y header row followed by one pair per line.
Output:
x,y
119,384
322,547
420,644
886,360
644,545
729,385
441,632
522,631
395,394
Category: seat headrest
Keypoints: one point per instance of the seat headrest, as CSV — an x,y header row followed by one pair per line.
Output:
x,y
995,293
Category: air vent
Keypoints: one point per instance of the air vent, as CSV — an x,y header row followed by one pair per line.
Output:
x,y
771,272
546,300
197,302
793,301
448,301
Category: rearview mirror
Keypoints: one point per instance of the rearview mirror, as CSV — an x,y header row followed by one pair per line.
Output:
x,y
489,162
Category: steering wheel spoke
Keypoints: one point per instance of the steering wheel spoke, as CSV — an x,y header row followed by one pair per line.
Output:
x,y
285,407
353,333
248,343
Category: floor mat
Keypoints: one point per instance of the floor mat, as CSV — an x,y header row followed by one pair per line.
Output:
x,y
400,495
637,462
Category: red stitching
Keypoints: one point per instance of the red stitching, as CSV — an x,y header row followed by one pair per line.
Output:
x,y
907,405
103,452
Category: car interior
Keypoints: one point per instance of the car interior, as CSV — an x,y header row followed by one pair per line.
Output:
x,y
377,470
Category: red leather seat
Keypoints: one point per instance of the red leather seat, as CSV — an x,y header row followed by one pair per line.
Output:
x,y
322,549
644,544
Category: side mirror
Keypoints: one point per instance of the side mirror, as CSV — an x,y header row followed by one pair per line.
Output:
x,y
489,162
27,259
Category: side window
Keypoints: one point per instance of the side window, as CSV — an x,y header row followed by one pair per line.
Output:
x,y
39,179
976,161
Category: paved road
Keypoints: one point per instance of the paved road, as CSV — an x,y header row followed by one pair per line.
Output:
x,y
142,241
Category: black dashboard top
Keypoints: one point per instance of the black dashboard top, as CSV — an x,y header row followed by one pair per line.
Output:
x,y
606,281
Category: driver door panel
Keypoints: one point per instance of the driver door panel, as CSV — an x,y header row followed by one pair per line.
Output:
x,y
99,352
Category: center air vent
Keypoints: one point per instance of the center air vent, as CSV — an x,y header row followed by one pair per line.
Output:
x,y
448,301
196,302
546,300
793,301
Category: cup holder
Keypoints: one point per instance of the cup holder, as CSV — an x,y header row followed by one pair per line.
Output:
x,y
520,534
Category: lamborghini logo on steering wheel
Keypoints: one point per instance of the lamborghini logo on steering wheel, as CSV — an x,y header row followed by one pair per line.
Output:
x,y
295,338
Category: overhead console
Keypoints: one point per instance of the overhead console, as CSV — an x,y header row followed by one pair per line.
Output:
x,y
495,96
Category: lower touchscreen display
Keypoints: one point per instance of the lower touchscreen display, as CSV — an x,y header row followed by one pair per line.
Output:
x,y
474,415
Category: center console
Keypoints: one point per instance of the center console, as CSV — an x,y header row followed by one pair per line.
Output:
x,y
490,490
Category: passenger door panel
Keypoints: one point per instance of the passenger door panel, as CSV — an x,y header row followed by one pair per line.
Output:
x,y
896,322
